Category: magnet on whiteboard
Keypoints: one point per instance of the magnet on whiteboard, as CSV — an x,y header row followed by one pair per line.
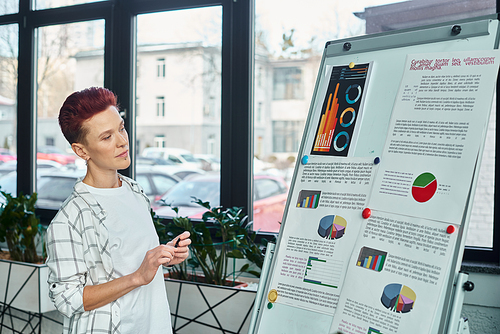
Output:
x,y
272,296
305,159
269,305
351,65
450,229
367,213
376,161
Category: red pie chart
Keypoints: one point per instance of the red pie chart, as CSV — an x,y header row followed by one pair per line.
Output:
x,y
424,187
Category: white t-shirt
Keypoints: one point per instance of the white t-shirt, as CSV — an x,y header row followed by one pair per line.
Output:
x,y
131,235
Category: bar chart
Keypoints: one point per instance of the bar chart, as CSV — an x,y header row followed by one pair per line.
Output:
x,y
323,272
372,259
308,199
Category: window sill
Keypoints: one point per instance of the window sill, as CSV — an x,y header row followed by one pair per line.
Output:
x,y
478,267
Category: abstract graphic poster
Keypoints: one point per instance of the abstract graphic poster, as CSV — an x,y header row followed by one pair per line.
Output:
x,y
341,110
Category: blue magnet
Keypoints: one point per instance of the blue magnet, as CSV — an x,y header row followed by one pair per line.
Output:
x,y
376,161
305,159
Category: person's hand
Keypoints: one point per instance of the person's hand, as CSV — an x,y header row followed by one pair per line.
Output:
x,y
160,255
180,243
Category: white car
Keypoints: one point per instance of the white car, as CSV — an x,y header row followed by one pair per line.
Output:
x,y
177,155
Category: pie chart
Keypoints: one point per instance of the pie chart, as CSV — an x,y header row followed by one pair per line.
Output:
x,y
424,187
332,227
398,298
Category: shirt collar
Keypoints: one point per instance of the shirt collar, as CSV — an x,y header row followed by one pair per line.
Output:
x,y
84,193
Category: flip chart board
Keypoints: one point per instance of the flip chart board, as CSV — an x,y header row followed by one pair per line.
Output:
x,y
374,227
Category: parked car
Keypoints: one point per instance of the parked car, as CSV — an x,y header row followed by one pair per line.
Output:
x,y
149,161
270,194
41,165
54,188
209,162
56,154
155,182
6,155
178,156
180,171
8,183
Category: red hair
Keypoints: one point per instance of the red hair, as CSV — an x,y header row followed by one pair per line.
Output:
x,y
81,106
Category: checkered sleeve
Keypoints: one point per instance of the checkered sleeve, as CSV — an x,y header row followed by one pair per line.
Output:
x,y
68,272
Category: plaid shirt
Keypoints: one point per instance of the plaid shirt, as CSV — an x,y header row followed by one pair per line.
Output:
x,y
78,255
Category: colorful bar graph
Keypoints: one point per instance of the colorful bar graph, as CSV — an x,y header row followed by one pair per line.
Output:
x,y
308,199
372,259
327,124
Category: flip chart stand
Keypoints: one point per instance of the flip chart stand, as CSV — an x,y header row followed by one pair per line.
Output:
x,y
461,286
262,284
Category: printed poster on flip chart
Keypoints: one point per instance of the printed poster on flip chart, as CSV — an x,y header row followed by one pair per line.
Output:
x,y
395,276
384,274
338,125
320,231
435,133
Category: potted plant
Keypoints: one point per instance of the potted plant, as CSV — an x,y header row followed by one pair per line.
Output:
x,y
19,227
211,300
23,276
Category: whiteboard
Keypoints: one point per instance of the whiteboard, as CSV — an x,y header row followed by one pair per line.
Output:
x,y
387,53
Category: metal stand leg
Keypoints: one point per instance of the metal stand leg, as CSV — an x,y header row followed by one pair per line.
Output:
x,y
458,325
262,284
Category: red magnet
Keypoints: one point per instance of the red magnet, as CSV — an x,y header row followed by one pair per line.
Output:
x,y
450,229
367,213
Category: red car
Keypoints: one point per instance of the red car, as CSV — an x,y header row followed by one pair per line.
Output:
x,y
6,155
270,194
55,154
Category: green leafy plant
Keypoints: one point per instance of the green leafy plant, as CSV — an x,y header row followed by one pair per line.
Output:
x,y
19,227
234,240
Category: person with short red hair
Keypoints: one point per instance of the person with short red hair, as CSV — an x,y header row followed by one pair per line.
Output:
x,y
104,254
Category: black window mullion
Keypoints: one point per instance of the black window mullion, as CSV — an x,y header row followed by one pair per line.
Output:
x,y
70,14
118,64
26,127
150,6
236,120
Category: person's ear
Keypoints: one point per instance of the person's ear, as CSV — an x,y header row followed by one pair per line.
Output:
x,y
80,150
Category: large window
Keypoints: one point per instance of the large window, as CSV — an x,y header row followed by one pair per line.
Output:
x,y
197,60
180,119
